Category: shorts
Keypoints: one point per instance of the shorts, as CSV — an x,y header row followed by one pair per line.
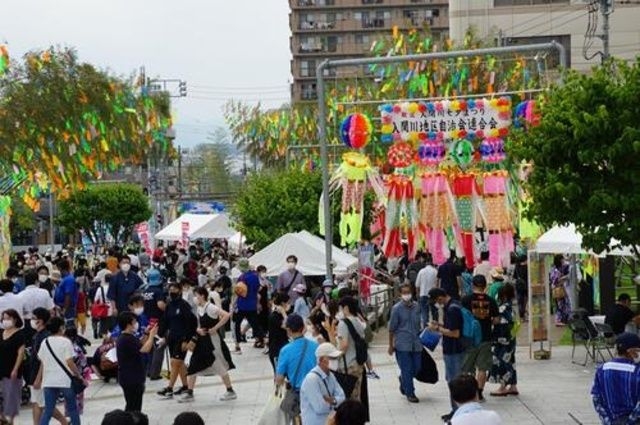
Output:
x,y
480,358
37,396
81,320
175,350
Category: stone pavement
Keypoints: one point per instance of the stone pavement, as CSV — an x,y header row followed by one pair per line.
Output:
x,y
552,392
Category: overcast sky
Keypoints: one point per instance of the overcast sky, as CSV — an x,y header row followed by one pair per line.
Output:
x,y
223,49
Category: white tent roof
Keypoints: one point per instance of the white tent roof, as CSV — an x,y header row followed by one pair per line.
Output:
x,y
567,240
310,251
236,240
200,226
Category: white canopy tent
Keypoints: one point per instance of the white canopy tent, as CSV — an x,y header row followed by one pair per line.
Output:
x,y
206,226
567,240
236,241
310,251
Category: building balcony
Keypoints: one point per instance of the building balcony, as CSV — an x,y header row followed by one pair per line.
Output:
x,y
356,4
369,24
323,49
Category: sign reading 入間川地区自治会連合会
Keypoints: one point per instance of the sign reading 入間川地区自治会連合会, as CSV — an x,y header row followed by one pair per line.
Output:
x,y
445,120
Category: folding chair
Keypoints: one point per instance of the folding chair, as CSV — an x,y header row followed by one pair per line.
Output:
x,y
580,336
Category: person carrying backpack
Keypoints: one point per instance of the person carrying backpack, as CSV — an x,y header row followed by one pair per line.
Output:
x,y
478,358
453,345
350,340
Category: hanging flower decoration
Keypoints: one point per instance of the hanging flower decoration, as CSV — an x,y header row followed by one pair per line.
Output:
x,y
356,131
400,155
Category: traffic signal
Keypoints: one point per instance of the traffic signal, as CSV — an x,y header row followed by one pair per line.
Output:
x,y
182,87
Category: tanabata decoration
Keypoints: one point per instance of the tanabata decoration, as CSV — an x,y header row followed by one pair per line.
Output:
x,y
356,131
462,153
5,233
526,114
353,176
498,217
400,155
432,152
4,59
401,216
437,213
468,208
492,150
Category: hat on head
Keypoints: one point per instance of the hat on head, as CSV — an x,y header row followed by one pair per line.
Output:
x,y
627,340
327,349
243,265
435,293
328,283
300,288
154,277
294,323
56,276
497,273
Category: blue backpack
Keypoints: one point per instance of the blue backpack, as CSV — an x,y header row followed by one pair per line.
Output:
x,y
471,330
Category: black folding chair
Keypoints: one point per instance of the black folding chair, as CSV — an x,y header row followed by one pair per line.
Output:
x,y
580,336
597,339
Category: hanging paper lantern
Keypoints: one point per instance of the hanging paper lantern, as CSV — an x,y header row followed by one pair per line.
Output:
x,y
400,155
462,152
356,131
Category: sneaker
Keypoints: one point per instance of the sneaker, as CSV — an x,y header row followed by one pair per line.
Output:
x,y
481,398
181,390
229,395
238,350
446,418
186,397
413,399
166,393
373,375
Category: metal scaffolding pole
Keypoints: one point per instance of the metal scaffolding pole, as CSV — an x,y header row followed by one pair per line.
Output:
x,y
322,108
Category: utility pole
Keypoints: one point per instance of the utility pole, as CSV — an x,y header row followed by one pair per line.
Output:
x,y
606,9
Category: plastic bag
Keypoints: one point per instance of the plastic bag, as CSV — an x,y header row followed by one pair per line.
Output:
x,y
271,413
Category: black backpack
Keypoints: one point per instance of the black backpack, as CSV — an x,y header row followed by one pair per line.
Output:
x,y
360,343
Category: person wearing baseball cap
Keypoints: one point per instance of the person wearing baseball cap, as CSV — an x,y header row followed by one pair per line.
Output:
x,y
321,393
616,386
296,359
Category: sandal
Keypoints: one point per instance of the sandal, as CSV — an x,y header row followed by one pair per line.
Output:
x,y
511,392
499,393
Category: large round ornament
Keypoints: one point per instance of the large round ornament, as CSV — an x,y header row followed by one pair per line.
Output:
x,y
356,131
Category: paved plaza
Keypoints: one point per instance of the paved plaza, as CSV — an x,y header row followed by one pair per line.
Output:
x,y
552,392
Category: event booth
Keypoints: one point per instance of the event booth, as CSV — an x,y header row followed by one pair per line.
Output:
x,y
197,226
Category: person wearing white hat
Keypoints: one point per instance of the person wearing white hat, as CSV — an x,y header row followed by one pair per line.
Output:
x,y
321,393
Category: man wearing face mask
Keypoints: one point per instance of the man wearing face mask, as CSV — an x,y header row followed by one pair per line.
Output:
x,y
404,341
122,285
453,349
616,386
33,296
320,393
290,279
136,306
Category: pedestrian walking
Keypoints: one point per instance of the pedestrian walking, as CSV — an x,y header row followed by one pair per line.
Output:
x,y
404,341
504,347
12,346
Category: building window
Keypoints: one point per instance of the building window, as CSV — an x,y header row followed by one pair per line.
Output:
x,y
372,1
501,3
308,91
308,68
306,2
362,39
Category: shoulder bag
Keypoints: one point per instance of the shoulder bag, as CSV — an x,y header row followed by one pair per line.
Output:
x,y
77,383
291,401
100,310
346,381
286,290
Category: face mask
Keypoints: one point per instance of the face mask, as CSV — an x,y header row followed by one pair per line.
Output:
x,y
138,311
33,323
14,279
125,267
327,290
636,359
291,266
174,295
406,297
333,364
42,278
136,326
340,315
439,305
263,275
7,323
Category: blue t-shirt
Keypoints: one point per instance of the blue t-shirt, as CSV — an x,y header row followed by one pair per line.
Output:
x,y
290,356
250,302
121,287
66,287
143,322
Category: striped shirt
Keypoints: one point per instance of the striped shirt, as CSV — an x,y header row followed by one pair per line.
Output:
x,y
616,391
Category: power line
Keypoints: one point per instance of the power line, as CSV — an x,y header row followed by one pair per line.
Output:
x,y
208,87
543,15
217,99
561,24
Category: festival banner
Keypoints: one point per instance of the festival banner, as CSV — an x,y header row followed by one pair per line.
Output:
x,y
185,234
143,234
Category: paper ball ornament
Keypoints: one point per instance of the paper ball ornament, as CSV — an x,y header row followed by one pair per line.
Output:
x,y
356,131
462,152
400,155
492,150
431,153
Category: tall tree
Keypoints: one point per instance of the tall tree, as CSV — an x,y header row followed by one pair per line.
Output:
x,y
105,210
585,155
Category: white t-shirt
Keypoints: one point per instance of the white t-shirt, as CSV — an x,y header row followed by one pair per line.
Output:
x,y
484,268
427,279
479,417
52,374
212,310
11,300
214,296
33,297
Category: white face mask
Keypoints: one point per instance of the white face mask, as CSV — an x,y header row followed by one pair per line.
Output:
x,y
327,290
291,266
340,315
406,297
7,323
42,278
125,267
138,311
136,327
33,323
439,305
333,364
14,279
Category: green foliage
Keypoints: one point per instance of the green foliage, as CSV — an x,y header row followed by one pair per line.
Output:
x,y
272,204
585,154
23,218
206,169
105,209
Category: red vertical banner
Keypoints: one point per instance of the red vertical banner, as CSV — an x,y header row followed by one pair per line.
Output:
x,y
143,234
185,234
365,269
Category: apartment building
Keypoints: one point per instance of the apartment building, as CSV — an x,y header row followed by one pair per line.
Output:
x,y
340,29
514,22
